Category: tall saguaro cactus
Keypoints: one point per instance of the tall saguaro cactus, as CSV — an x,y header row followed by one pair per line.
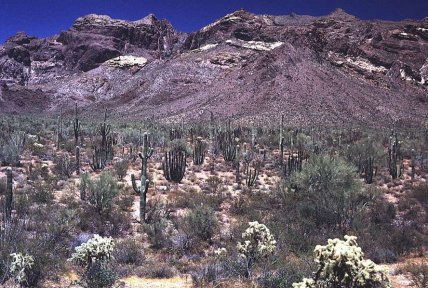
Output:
x,y
77,160
104,131
238,160
9,194
59,131
394,161
281,136
145,156
76,128
142,191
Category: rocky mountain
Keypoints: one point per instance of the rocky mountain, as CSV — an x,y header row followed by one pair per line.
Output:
x,y
314,70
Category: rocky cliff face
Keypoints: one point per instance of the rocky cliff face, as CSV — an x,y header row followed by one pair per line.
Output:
x,y
312,69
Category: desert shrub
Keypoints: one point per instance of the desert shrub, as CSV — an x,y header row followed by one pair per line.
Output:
x,y
358,152
11,150
222,270
326,193
38,171
283,277
102,191
418,273
129,251
158,270
38,149
156,225
406,238
64,166
99,276
41,192
258,244
193,198
201,223
214,183
125,200
46,241
342,264
180,145
113,223
121,168
420,193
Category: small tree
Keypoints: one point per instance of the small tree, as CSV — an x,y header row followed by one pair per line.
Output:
x,y
342,265
258,243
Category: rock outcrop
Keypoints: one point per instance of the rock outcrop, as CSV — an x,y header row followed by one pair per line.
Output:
x,y
334,68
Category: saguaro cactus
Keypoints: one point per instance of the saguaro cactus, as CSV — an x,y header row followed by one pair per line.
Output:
x,y
238,160
142,191
281,136
281,153
394,164
59,131
369,170
9,194
145,156
77,160
76,128
104,130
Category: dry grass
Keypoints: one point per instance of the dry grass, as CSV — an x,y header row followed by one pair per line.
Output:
x,y
176,282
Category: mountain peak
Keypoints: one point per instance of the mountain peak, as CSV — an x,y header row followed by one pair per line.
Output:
x,y
148,20
341,14
20,38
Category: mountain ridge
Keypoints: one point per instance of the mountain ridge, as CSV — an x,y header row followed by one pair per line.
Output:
x,y
333,68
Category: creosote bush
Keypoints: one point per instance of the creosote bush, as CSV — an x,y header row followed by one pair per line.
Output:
x,y
102,191
201,223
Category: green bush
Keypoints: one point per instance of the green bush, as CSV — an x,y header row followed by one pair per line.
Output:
x,y
326,193
121,168
102,192
201,223
129,251
64,166
418,273
156,226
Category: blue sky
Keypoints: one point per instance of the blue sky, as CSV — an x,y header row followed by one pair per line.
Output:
x,y
48,17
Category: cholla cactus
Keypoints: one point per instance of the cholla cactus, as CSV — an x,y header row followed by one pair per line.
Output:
x,y
258,244
220,253
20,266
96,249
341,264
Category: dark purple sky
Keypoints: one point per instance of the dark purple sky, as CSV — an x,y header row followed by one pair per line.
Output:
x,y
47,17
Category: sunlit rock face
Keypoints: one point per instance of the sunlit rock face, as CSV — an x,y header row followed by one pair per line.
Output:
x,y
330,69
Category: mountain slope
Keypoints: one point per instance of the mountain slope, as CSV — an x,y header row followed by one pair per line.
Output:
x,y
314,70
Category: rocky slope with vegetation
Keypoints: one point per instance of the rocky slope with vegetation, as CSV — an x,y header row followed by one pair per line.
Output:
x,y
330,69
